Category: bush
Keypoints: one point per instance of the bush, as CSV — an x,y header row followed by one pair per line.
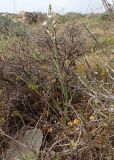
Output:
x,y
9,28
44,85
63,18
105,16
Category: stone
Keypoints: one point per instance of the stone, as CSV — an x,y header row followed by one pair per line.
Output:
x,y
26,17
28,148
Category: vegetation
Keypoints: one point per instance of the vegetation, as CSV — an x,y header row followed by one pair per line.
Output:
x,y
59,78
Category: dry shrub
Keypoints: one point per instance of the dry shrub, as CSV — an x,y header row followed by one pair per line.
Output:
x,y
72,40
43,86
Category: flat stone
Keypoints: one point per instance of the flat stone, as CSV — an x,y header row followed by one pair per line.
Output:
x,y
29,146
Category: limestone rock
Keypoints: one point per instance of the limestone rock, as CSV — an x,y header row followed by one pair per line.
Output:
x,y
31,141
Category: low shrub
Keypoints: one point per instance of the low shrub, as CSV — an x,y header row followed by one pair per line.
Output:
x,y
43,85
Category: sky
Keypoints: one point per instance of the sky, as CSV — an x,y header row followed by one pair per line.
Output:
x,y
61,6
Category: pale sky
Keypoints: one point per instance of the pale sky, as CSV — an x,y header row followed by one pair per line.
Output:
x,y
61,6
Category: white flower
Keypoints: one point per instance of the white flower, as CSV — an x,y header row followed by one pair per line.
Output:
x,y
111,109
44,23
96,73
49,16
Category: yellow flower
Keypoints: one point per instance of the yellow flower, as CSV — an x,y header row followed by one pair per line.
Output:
x,y
76,122
92,118
2,121
70,124
18,78
72,144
